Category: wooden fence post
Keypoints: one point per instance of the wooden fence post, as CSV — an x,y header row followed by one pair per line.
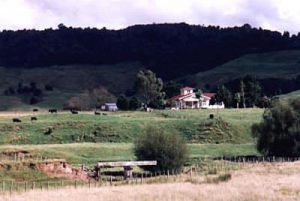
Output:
x,y
11,187
142,178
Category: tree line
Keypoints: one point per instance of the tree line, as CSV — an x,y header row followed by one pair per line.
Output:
x,y
153,92
170,50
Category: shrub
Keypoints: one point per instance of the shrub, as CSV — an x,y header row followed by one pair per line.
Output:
x,y
278,134
169,150
48,87
221,178
134,103
122,103
75,103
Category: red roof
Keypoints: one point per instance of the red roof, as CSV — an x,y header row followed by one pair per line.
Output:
x,y
210,95
181,96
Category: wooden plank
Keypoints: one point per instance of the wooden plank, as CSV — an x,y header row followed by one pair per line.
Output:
x,y
108,164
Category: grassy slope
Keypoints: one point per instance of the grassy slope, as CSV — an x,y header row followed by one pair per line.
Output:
x,y
67,82
116,127
126,126
282,64
294,94
90,153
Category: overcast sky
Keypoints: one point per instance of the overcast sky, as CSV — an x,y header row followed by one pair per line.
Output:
x,y
282,15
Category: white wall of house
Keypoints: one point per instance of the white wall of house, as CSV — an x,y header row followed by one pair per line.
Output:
x,y
185,91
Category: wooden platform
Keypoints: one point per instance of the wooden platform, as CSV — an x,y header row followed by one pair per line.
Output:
x,y
111,164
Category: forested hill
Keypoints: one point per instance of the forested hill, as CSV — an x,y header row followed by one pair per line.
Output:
x,y
170,50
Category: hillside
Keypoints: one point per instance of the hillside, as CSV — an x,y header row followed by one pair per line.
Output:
x,y
170,50
65,127
67,81
280,65
294,94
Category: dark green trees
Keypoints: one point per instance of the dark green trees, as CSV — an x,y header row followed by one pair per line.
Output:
x,y
125,103
278,134
224,95
150,88
122,103
134,103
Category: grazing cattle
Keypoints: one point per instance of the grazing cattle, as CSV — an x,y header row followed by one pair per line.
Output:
x,y
48,131
52,111
33,118
97,113
16,120
35,110
74,112
104,113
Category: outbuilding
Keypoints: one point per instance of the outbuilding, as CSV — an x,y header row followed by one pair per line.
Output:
x,y
111,107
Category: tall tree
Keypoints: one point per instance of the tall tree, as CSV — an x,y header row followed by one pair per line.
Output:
x,y
242,90
237,98
252,91
149,87
224,95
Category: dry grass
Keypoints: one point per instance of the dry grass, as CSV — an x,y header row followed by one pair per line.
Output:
x,y
257,182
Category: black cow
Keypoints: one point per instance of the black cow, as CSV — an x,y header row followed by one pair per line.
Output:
x,y
16,120
35,110
52,111
97,113
48,131
74,112
33,118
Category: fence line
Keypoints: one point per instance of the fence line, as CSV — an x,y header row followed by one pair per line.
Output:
x,y
202,168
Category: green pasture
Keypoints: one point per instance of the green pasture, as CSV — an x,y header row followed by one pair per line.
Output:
x,y
228,126
90,153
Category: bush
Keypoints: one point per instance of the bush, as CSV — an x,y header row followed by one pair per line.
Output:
x,y
48,87
134,103
75,103
169,150
279,132
122,103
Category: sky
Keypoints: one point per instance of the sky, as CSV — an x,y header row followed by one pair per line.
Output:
x,y
281,15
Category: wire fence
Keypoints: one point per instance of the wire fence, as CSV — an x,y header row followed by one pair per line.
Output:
x,y
204,166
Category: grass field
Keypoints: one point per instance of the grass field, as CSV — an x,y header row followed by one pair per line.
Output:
x,y
89,153
294,94
269,182
87,138
229,126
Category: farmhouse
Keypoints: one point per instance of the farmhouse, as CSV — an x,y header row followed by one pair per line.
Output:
x,y
187,99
